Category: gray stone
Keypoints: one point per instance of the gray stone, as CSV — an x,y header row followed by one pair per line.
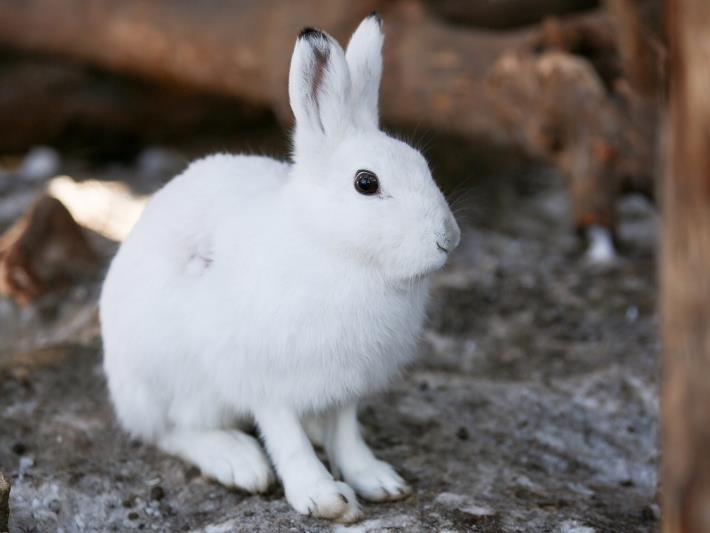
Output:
x,y
40,163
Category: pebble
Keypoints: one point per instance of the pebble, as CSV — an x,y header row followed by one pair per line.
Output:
x,y
129,502
5,181
26,463
54,506
157,493
19,448
632,313
40,163
159,162
651,513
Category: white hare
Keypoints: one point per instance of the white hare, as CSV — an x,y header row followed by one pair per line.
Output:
x,y
255,290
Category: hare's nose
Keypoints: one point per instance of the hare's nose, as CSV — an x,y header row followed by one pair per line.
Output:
x,y
452,232
448,239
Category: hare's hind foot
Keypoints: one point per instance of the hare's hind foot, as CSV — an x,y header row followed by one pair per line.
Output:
x,y
232,457
377,481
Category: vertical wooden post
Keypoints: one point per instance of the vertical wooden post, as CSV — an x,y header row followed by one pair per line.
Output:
x,y
685,273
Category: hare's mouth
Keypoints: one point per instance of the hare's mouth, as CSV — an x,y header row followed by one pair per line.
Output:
x,y
442,248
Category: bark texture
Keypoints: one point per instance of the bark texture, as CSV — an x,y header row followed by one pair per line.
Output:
x,y
685,268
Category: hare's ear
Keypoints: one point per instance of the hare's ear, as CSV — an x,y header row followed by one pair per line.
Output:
x,y
319,88
364,57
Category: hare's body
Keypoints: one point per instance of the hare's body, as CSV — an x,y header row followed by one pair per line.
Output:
x,y
253,289
315,335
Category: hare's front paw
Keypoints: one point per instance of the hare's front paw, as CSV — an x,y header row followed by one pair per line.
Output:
x,y
326,499
377,481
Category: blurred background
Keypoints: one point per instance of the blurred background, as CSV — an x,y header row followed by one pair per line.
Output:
x,y
534,404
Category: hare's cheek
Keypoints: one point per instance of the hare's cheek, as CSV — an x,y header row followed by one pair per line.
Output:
x,y
404,259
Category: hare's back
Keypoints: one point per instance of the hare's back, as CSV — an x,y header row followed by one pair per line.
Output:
x,y
221,180
220,195
209,193
171,252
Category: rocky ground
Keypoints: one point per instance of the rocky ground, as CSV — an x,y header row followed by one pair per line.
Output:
x,y
533,405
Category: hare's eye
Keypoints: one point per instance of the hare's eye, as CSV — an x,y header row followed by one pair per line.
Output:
x,y
366,182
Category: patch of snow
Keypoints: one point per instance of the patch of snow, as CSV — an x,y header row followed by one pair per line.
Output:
x,y
463,503
398,522
572,526
601,247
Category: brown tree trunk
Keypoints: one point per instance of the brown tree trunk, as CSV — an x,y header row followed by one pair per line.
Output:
x,y
502,14
685,274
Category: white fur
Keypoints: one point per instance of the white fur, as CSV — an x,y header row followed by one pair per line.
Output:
x,y
253,288
364,58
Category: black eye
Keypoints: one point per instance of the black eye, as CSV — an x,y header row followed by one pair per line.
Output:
x,y
366,182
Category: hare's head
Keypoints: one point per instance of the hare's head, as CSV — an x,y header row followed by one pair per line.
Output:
x,y
361,192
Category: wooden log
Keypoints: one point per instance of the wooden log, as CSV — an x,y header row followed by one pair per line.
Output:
x,y
70,105
505,14
435,73
685,283
243,49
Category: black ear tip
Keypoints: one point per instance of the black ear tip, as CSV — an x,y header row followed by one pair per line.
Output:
x,y
311,33
376,16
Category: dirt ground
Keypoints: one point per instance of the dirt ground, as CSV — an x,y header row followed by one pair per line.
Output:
x,y
532,407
